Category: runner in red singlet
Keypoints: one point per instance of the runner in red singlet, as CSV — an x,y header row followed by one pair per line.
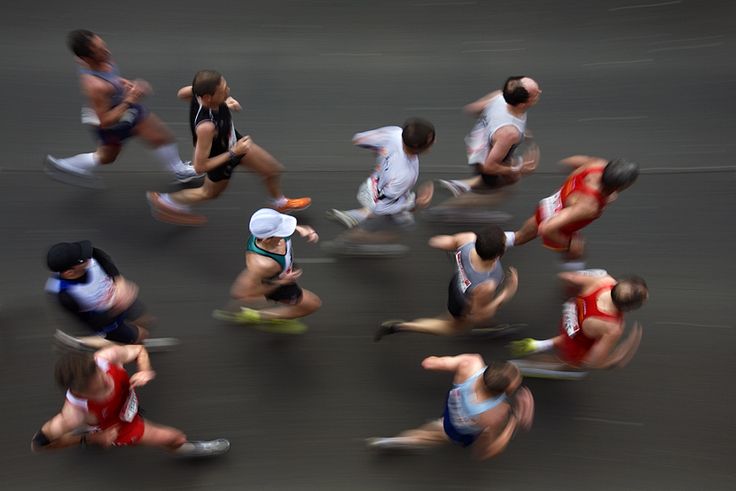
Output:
x,y
101,406
593,184
593,322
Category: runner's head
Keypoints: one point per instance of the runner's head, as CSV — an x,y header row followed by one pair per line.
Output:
x,y
267,223
418,135
501,377
629,293
211,87
69,259
490,242
521,91
618,175
88,46
77,372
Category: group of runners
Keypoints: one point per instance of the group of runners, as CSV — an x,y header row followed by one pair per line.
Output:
x,y
487,402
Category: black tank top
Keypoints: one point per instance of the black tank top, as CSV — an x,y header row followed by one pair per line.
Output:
x,y
221,118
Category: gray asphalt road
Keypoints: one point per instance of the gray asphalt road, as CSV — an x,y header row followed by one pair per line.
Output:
x,y
651,81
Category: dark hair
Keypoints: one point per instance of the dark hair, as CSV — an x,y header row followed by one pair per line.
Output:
x,y
206,82
79,42
619,174
75,371
514,92
629,293
418,134
498,376
490,242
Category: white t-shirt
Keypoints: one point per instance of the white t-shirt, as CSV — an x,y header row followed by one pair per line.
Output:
x,y
396,172
494,116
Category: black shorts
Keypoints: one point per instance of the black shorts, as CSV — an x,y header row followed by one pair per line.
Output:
x,y
491,181
116,134
457,303
122,330
291,294
225,171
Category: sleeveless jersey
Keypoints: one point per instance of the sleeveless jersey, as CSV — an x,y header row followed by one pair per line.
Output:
x,y
284,260
467,278
575,183
494,116
225,136
462,407
113,78
575,344
119,408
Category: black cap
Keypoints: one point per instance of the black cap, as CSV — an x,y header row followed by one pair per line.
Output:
x,y
65,255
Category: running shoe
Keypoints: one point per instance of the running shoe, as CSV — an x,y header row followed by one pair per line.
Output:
x,y
185,173
344,218
205,448
454,188
61,165
294,204
70,342
388,327
57,170
521,347
283,326
160,344
163,212
394,443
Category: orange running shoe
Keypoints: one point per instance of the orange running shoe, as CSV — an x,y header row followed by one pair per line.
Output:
x,y
294,204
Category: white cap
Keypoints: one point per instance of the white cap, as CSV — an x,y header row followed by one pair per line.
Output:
x,y
270,223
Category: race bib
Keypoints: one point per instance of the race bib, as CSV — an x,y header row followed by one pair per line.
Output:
x,y
570,318
550,205
130,407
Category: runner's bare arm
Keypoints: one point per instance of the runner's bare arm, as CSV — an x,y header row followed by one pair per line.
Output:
x,y
450,363
489,445
476,107
185,93
205,134
504,138
99,92
584,208
582,279
481,308
607,336
56,432
451,242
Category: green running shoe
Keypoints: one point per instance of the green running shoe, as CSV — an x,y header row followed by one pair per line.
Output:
x,y
522,347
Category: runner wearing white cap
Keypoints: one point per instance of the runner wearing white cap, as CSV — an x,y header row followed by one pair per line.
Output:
x,y
270,274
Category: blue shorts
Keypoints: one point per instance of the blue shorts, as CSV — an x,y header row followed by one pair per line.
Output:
x,y
464,439
123,129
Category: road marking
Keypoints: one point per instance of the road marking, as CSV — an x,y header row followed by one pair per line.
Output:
x,y
621,62
644,5
613,118
316,260
491,50
692,324
609,421
693,46
350,54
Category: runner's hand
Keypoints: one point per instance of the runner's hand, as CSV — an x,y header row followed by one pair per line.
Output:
x,y
512,283
290,277
105,438
124,294
308,233
233,104
242,146
141,378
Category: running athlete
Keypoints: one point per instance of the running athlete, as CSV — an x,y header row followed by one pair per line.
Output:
x,y
88,284
500,129
100,394
270,274
484,408
473,294
119,114
593,183
218,150
592,323
387,197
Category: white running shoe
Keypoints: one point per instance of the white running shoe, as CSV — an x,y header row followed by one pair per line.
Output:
x,y
61,165
343,218
454,188
185,173
394,443
207,448
160,344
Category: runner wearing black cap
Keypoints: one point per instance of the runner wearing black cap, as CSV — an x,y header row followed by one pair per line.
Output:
x,y
89,285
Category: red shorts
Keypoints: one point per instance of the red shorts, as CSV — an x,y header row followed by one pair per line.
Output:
x,y
573,350
550,244
130,433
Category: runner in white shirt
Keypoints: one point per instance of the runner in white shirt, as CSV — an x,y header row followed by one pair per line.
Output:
x,y
387,196
499,130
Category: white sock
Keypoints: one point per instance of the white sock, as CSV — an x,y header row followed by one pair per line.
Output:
x,y
169,156
543,345
572,265
279,201
510,238
177,206
83,161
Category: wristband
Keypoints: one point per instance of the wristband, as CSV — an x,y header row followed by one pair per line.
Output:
x,y
234,158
